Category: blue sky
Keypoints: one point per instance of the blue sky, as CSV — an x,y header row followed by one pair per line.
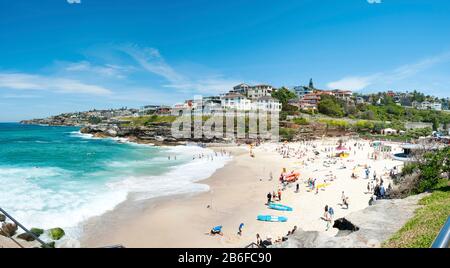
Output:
x,y
57,56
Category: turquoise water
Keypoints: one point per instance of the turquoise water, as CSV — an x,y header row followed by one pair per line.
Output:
x,y
55,176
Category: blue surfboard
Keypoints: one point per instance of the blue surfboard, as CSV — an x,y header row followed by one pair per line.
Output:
x,y
280,207
272,218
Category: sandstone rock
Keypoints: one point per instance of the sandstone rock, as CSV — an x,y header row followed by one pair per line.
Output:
x,y
27,237
111,132
374,225
8,229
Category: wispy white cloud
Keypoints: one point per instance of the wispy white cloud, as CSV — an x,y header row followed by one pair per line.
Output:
x,y
353,82
152,61
128,78
74,1
23,81
208,85
398,74
409,70
19,96
109,70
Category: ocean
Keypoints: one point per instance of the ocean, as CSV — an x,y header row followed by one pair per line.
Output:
x,y
58,177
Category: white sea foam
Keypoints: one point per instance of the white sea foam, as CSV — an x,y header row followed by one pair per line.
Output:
x,y
87,136
180,179
38,201
44,206
78,134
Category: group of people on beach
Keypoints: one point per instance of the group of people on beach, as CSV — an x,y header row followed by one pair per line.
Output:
x,y
311,153
217,230
269,241
211,156
274,196
376,185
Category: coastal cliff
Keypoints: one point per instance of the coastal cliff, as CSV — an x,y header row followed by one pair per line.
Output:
x,y
156,129
155,134
158,133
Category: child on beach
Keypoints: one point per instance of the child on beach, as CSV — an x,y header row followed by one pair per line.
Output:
x,y
345,202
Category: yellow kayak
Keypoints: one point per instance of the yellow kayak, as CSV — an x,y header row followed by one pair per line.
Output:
x,y
323,185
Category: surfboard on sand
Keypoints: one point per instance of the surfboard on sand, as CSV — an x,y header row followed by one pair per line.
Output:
x,y
272,218
279,207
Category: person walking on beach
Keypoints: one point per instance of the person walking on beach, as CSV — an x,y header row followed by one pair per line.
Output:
x,y
327,217
258,240
241,226
331,213
279,195
269,198
297,188
382,191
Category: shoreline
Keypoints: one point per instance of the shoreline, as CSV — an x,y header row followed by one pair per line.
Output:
x,y
72,228
237,194
138,211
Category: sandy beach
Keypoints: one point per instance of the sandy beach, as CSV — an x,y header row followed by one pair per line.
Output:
x,y
238,194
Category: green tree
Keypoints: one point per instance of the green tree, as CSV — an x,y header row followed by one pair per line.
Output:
x,y
436,123
330,106
284,95
94,120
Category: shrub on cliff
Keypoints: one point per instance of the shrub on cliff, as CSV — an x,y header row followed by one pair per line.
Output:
x,y
331,107
426,173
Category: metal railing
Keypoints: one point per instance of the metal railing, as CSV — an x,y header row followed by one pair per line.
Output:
x,y
443,238
114,246
44,245
252,245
